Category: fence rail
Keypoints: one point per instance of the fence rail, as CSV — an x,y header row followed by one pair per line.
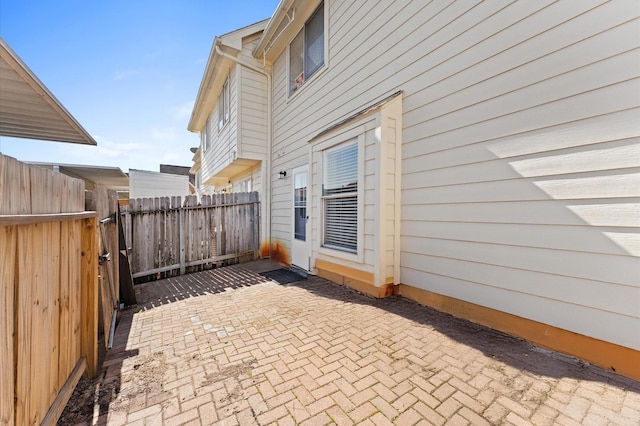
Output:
x,y
167,237
48,291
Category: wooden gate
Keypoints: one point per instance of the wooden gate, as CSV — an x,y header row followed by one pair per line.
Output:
x,y
166,237
105,203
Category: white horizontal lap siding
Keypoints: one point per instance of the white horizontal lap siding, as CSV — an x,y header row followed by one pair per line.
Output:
x,y
223,143
151,185
289,152
519,148
521,167
253,104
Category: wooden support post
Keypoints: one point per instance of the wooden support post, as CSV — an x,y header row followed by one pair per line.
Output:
x,y
182,230
89,309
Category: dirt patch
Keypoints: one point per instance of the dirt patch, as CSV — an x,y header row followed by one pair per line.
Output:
x,y
81,403
115,393
232,371
146,376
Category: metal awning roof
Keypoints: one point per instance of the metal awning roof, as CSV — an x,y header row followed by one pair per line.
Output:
x,y
109,177
28,109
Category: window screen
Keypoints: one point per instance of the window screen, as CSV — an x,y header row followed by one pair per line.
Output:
x,y
314,42
223,105
340,198
306,51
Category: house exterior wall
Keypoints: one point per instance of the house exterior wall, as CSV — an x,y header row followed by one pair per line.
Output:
x,y
244,136
222,148
248,181
144,184
519,148
252,86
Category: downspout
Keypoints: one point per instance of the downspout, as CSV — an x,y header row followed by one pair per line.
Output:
x,y
269,144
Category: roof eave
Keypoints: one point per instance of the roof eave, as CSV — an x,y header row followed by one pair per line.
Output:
x,y
80,135
282,27
203,99
272,26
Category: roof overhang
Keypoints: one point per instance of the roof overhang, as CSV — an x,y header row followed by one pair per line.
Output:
x,y
109,177
196,161
28,109
234,168
216,71
289,17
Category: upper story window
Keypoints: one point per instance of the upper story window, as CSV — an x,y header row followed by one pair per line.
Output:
x,y
223,105
306,51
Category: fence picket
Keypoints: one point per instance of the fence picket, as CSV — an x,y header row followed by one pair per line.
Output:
x,y
167,236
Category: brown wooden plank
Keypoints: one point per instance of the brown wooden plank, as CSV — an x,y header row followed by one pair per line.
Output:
x,y
23,315
75,287
8,246
40,331
89,305
52,314
65,320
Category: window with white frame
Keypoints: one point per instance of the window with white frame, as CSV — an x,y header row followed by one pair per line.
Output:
x,y
223,105
306,51
206,136
245,185
340,197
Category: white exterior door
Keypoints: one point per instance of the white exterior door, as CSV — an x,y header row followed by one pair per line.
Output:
x,y
299,244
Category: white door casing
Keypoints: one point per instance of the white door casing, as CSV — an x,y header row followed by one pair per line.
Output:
x,y
299,230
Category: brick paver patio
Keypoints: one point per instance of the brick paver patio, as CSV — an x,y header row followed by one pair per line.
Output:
x,y
231,347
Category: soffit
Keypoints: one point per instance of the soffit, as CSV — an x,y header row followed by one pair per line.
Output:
x,y
28,109
109,177
232,169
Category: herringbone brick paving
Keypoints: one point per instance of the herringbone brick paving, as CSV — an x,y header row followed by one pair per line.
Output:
x,y
229,347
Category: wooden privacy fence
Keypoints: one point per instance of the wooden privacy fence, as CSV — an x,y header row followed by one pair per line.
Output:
x,y
165,236
48,292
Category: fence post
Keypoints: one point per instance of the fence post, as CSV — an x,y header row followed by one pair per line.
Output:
x,y
255,214
89,305
181,230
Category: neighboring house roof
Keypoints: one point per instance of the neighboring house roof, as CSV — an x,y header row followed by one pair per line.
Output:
x,y
109,177
217,67
178,170
28,109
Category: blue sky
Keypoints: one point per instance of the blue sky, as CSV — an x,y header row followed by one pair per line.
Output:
x,y
128,71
